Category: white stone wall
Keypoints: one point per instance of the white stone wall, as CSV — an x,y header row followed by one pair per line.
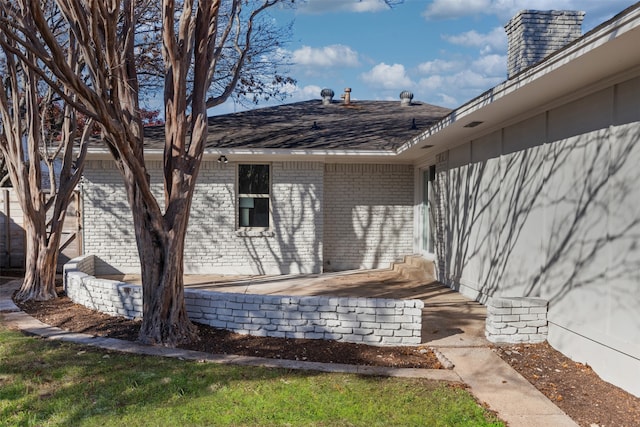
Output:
x,y
516,320
107,225
368,215
374,321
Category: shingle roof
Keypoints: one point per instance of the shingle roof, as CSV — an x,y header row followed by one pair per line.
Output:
x,y
361,125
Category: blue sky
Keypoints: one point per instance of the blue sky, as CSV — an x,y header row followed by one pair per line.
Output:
x,y
444,51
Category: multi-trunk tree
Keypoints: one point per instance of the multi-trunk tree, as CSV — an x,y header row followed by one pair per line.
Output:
x,y
206,46
37,134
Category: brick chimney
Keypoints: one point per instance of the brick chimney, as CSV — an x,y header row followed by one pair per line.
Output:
x,y
535,34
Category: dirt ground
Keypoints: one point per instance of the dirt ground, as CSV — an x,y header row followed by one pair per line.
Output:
x,y
572,386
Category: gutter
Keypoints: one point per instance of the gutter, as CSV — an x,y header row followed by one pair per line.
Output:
x,y
235,154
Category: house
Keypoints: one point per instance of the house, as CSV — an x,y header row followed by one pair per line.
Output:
x,y
527,191
300,188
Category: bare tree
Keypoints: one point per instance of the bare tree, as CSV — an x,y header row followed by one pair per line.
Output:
x,y
4,174
29,140
199,38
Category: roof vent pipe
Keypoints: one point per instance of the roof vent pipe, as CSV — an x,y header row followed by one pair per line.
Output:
x,y
405,98
346,96
327,96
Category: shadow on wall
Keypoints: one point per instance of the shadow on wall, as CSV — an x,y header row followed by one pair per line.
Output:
x,y
367,239
546,220
292,245
295,208
109,230
368,216
211,224
12,235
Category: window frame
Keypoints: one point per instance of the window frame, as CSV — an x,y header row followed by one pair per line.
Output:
x,y
239,195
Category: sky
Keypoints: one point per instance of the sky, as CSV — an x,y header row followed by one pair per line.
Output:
x,y
446,52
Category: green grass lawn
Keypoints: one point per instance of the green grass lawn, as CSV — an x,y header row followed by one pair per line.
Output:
x,y
59,384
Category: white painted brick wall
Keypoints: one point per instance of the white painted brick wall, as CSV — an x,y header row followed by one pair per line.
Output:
x,y
367,220
213,243
374,321
368,215
533,35
516,320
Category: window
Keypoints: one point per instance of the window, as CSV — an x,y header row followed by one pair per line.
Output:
x,y
253,196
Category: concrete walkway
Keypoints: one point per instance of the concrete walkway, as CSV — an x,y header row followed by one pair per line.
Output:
x,y
452,324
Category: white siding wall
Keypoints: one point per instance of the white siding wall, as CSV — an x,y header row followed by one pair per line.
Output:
x,y
548,208
368,215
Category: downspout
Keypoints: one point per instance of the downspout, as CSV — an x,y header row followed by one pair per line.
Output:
x,y
80,213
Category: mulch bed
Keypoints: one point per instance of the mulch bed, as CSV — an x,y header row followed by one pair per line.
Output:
x,y
65,314
573,387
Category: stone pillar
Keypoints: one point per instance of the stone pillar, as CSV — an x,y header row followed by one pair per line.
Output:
x,y
517,320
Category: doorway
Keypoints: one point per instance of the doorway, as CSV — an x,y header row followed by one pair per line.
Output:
x,y
426,241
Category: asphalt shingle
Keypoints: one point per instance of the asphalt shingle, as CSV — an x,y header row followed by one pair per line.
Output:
x,y
310,125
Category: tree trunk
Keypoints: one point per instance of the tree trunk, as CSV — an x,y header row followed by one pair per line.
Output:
x,y
160,244
164,318
40,265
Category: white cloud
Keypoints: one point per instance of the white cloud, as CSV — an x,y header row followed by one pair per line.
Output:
x,y
305,93
494,41
491,66
387,76
463,85
505,9
432,83
327,6
447,100
439,66
336,55
446,82
447,9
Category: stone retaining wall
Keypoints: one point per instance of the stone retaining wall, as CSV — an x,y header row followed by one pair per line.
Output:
x,y
516,320
373,321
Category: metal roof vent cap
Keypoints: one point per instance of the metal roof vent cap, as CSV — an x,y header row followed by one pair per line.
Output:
x,y
405,98
327,96
346,96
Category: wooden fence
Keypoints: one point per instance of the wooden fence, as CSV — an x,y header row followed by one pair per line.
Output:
x,y
12,234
